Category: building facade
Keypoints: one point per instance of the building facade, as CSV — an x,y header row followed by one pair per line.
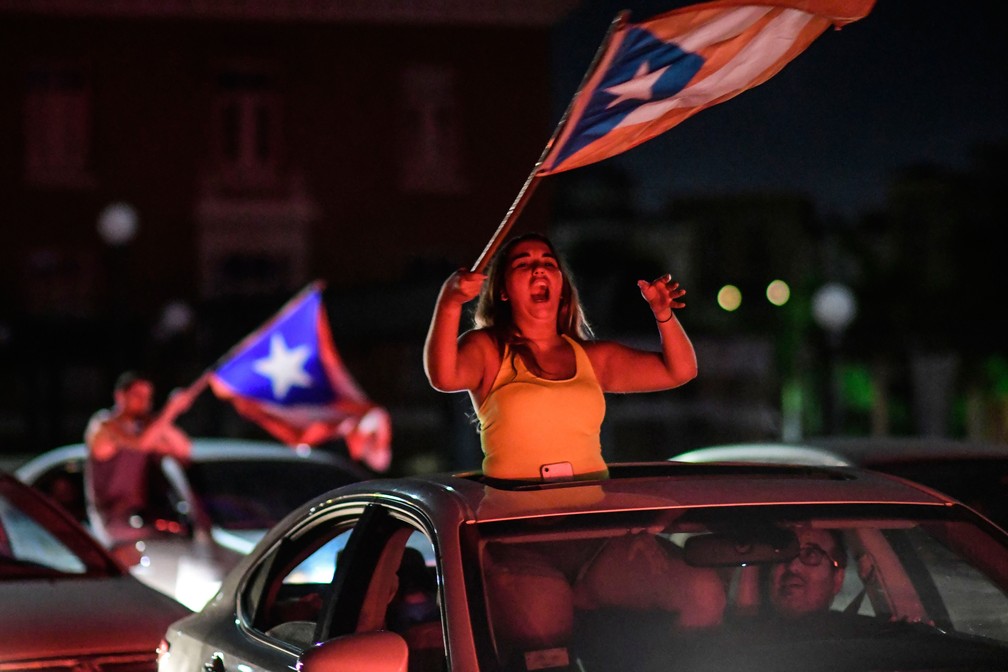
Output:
x,y
172,171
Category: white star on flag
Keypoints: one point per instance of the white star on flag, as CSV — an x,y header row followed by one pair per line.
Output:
x,y
638,87
284,367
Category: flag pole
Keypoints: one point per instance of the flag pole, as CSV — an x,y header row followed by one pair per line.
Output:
x,y
532,181
509,219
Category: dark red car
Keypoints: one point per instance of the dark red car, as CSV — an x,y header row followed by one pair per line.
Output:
x,y
67,605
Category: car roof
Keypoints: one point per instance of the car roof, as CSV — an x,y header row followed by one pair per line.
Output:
x,y
636,486
210,449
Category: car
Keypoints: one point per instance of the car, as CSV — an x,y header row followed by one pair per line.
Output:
x,y
67,604
210,511
974,472
656,567
765,453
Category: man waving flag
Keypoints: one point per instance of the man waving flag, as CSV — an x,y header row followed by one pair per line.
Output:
x,y
650,76
288,378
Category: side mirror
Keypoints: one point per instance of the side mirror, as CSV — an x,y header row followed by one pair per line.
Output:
x,y
373,651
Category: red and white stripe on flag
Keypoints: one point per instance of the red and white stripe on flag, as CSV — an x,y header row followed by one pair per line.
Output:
x,y
652,75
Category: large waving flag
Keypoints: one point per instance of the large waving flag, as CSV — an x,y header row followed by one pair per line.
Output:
x,y
650,76
288,377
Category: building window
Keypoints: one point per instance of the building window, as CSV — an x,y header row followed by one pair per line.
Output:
x,y
431,142
253,245
247,127
57,121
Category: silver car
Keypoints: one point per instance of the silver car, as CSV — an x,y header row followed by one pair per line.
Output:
x,y
67,605
210,512
973,472
658,567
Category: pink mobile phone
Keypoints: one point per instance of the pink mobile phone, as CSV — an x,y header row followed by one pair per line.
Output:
x,y
556,470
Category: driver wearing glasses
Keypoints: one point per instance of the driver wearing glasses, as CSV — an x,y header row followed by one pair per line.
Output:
x,y
808,582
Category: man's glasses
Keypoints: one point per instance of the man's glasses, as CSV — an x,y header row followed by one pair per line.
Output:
x,y
812,555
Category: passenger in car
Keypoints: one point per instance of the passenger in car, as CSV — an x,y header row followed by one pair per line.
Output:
x,y
415,600
808,583
803,586
415,613
534,374
122,441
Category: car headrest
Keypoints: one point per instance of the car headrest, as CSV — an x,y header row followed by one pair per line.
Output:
x,y
531,608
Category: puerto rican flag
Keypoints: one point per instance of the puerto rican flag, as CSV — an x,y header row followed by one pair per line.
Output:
x,y
288,378
652,75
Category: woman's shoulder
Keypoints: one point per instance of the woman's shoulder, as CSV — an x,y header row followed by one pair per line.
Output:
x,y
601,353
595,345
485,342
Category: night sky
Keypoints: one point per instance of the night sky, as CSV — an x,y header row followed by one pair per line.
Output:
x,y
915,82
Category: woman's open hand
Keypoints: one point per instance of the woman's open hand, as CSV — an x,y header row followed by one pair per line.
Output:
x,y
663,295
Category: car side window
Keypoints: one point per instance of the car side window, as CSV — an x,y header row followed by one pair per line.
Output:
x,y
26,540
414,610
960,596
290,584
389,582
64,483
416,600
365,573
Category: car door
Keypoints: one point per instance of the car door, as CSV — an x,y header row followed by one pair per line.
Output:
x,y
388,583
331,576
254,625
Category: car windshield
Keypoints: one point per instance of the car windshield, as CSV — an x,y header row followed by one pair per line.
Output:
x,y
38,542
826,587
256,494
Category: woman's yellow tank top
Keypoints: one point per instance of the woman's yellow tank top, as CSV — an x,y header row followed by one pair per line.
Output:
x,y
526,421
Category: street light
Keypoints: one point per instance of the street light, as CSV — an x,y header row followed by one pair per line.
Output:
x,y
177,317
117,224
833,309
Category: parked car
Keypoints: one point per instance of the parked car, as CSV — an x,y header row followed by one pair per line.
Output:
x,y
652,568
210,512
67,604
973,472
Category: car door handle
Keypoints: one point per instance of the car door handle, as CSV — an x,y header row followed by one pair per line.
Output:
x,y
215,664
